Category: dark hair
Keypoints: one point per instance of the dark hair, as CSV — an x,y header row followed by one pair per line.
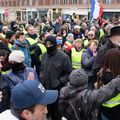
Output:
x,y
42,35
18,34
111,61
49,29
18,112
58,35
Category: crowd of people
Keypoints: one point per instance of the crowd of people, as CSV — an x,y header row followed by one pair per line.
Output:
x,y
62,70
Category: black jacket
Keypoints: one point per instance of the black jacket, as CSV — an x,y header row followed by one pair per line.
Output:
x,y
99,58
5,103
81,103
55,70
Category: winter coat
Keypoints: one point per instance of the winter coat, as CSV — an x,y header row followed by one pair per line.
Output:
x,y
13,78
55,70
5,103
114,112
23,46
99,58
87,62
81,102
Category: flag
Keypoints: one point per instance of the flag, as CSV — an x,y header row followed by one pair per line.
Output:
x,y
96,10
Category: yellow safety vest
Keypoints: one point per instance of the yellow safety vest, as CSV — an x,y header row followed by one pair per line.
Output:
x,y
76,58
31,42
5,72
101,33
43,49
2,35
112,102
23,29
86,41
9,46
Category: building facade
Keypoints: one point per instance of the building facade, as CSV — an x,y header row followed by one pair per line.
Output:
x,y
26,9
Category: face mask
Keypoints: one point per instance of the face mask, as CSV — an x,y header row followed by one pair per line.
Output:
x,y
51,49
16,66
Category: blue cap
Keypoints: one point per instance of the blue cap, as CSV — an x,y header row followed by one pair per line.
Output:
x,y
31,92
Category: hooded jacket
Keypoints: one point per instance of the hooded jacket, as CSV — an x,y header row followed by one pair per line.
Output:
x,y
23,46
82,102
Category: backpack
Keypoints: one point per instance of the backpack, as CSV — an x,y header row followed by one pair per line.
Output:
x,y
69,109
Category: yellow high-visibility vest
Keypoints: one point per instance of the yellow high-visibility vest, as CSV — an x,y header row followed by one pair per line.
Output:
x,y
85,43
101,33
43,49
112,102
31,42
23,29
76,58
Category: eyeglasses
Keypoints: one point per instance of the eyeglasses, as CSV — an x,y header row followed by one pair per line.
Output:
x,y
90,35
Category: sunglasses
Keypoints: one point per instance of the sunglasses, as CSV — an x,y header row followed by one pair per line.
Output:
x,y
90,35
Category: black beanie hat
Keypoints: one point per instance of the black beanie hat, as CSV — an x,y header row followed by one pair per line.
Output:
x,y
9,34
52,39
115,31
3,49
12,23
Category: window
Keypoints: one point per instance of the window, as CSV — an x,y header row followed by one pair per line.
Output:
x,y
14,3
46,2
74,1
84,2
28,2
64,1
108,1
10,3
57,2
18,2
6,3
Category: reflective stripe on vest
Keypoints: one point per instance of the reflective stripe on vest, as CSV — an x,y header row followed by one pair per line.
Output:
x,y
112,102
31,42
4,72
43,49
76,58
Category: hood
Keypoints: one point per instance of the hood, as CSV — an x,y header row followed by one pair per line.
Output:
x,y
23,43
78,82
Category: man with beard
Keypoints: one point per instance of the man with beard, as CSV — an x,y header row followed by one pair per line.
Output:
x,y
55,70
